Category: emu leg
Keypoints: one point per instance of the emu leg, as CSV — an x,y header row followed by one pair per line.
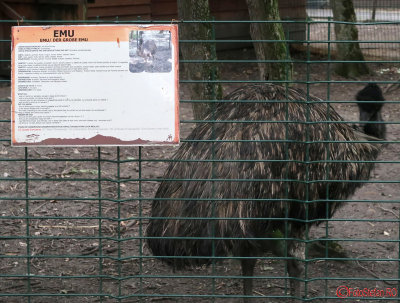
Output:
x,y
290,249
248,271
296,249
294,271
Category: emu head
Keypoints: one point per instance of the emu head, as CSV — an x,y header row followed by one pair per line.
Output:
x,y
370,111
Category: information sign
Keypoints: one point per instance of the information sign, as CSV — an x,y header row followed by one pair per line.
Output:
x,y
95,85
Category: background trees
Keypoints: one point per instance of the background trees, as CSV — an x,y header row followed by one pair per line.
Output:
x,y
343,11
277,50
205,72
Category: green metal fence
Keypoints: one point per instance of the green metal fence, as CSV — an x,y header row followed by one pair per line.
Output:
x,y
366,10
73,219
367,13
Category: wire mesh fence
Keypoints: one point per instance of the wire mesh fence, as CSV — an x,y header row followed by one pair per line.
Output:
x,y
366,10
387,13
73,219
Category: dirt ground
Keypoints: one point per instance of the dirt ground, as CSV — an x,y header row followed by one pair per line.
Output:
x,y
69,226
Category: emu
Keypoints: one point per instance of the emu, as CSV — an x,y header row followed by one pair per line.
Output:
x,y
146,49
371,111
254,190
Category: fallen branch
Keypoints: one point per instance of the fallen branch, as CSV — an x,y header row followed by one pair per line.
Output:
x,y
389,211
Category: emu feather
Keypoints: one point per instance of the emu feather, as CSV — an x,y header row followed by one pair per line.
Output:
x,y
271,157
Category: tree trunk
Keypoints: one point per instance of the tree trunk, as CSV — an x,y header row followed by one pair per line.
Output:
x,y
343,10
189,10
268,10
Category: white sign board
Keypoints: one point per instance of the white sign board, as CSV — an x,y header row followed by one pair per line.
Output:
x,y
95,85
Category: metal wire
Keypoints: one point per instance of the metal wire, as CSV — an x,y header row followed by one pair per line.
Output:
x,y
73,220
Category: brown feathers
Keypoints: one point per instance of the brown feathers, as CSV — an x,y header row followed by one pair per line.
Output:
x,y
277,158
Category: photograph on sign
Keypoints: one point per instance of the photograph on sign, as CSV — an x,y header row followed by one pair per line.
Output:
x,y
150,51
95,85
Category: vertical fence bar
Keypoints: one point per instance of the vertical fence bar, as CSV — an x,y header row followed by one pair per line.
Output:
x,y
327,147
287,186
213,137
398,256
27,222
119,265
307,166
100,214
140,225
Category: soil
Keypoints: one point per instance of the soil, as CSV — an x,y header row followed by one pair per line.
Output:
x,y
68,226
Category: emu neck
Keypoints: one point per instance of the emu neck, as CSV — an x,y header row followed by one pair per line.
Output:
x,y
377,130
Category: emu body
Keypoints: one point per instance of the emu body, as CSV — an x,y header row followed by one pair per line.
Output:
x,y
147,49
264,152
